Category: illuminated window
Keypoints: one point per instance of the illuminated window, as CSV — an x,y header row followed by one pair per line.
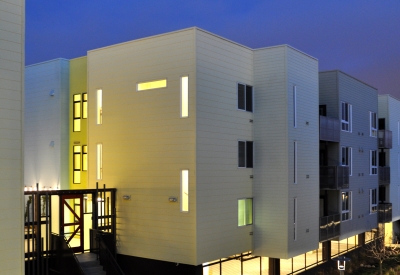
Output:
x,y
347,158
77,113
346,206
99,161
184,96
245,212
373,124
77,164
373,168
346,117
84,105
245,154
84,158
245,97
373,203
185,190
99,106
156,84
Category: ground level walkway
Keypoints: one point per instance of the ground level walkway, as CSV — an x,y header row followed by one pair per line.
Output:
x,y
90,264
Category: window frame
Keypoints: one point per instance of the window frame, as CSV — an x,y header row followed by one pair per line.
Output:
x,y
84,105
346,117
248,159
99,106
295,156
373,162
373,124
346,212
248,104
76,161
246,220
184,94
373,201
184,192
347,160
294,106
99,161
76,112
84,158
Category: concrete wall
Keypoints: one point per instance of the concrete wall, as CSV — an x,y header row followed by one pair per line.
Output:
x,y
46,124
145,142
12,39
276,71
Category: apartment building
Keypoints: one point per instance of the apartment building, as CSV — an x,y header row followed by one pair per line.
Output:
x,y
12,55
389,159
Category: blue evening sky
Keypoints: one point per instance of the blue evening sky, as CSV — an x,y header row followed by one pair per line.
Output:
x,y
359,37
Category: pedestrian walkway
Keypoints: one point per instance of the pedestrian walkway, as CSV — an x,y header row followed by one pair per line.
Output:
x,y
89,263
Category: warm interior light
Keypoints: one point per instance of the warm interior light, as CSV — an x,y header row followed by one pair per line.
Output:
x,y
184,96
185,190
152,85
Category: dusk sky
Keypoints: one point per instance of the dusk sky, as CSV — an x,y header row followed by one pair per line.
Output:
x,y
359,37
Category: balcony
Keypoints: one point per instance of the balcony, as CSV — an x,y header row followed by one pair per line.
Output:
x,y
329,227
384,212
385,139
334,177
329,129
384,175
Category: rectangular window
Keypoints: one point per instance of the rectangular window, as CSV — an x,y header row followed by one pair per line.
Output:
x,y
99,107
346,117
184,190
294,106
347,158
245,212
295,162
150,85
77,113
77,164
373,124
245,154
245,97
373,170
99,161
184,96
295,219
346,206
84,158
84,105
373,203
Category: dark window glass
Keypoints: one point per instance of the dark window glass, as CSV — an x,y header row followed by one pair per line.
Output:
x,y
249,98
242,153
241,97
249,154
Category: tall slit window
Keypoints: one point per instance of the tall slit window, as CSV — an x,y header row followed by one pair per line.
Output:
x,y
373,170
347,158
245,212
184,190
77,113
373,202
99,161
373,124
295,162
245,154
346,117
77,164
99,107
84,158
184,96
245,97
84,105
295,219
294,106
346,206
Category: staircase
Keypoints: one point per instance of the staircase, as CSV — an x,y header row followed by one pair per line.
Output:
x,y
90,264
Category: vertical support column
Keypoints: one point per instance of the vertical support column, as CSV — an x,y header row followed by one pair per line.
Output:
x,y
274,266
326,251
361,239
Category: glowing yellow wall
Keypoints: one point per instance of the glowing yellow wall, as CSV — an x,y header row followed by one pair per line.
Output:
x,y
77,82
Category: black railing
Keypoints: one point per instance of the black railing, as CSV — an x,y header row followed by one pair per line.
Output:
x,y
329,227
334,177
384,212
329,129
384,175
105,249
62,257
385,139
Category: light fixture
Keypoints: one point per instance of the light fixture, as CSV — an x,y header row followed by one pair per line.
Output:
x,y
52,93
126,197
173,199
51,143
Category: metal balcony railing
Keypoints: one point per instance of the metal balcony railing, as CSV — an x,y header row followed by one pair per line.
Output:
x,y
384,212
385,139
334,177
329,129
384,175
329,227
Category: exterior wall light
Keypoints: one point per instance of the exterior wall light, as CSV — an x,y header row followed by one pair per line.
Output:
x,y
173,199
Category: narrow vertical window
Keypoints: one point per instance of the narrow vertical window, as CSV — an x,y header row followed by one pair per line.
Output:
x,y
77,164
185,190
245,97
295,219
77,113
346,206
373,170
295,162
245,212
347,158
99,161
84,105
346,117
99,107
84,158
184,96
373,204
373,124
245,154
294,106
